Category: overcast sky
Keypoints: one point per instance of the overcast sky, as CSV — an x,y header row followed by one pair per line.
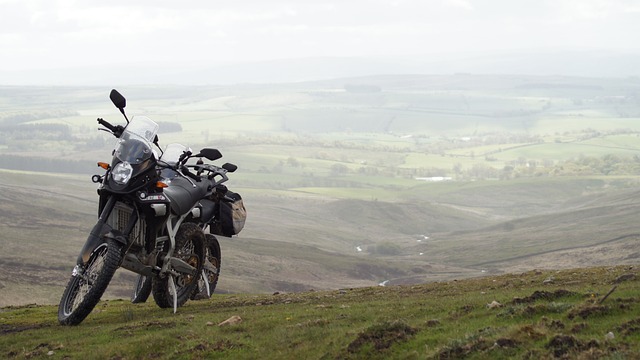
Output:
x,y
45,34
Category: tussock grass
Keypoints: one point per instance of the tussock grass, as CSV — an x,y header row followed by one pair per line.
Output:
x,y
568,318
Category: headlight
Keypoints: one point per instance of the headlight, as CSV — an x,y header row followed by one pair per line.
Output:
x,y
122,172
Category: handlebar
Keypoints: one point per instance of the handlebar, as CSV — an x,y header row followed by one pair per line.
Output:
x,y
213,171
185,155
185,171
106,124
116,130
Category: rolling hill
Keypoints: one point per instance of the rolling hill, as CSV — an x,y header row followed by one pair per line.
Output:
x,y
339,177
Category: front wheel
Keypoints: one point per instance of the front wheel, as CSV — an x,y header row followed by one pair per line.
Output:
x,y
211,269
86,286
190,249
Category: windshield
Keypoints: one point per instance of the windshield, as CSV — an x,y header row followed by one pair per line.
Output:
x,y
170,156
172,153
135,144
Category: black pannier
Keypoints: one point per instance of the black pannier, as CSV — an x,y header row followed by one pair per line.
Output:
x,y
231,216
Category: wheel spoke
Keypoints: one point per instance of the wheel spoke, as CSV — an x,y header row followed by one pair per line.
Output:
x,y
83,290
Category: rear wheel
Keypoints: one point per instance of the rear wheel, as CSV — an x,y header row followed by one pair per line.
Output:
x,y
190,249
211,269
86,286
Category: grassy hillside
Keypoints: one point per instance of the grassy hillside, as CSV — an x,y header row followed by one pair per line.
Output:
x,y
574,314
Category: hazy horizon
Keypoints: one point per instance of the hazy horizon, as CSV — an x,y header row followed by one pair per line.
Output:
x,y
69,42
571,64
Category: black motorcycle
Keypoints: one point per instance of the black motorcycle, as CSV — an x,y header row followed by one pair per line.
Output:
x,y
141,225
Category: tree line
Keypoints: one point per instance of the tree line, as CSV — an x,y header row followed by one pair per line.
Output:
x,y
34,131
41,164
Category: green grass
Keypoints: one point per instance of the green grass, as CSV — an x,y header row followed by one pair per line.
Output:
x,y
567,317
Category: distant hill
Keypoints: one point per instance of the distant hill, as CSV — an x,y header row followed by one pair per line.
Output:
x,y
595,64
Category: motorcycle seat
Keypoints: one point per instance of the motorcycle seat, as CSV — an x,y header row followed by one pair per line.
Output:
x,y
183,195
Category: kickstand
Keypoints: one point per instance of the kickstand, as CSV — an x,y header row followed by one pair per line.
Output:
x,y
206,283
172,290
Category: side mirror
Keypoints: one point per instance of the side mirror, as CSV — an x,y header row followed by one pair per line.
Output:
x,y
229,167
210,154
118,100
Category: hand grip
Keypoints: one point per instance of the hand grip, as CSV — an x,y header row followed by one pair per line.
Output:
x,y
106,124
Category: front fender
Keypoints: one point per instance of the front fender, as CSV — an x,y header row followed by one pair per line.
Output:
x,y
116,235
93,241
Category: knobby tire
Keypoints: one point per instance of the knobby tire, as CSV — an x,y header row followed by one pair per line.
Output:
x,y
82,294
214,256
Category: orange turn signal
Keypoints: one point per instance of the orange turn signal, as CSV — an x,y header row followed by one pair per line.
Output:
x,y
161,185
104,165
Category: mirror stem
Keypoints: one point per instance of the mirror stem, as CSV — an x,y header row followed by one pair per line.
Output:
x,y
125,115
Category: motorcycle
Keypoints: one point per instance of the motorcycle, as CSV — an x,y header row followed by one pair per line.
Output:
x,y
141,225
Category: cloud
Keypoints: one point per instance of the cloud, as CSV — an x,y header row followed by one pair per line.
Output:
x,y
55,33
462,4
